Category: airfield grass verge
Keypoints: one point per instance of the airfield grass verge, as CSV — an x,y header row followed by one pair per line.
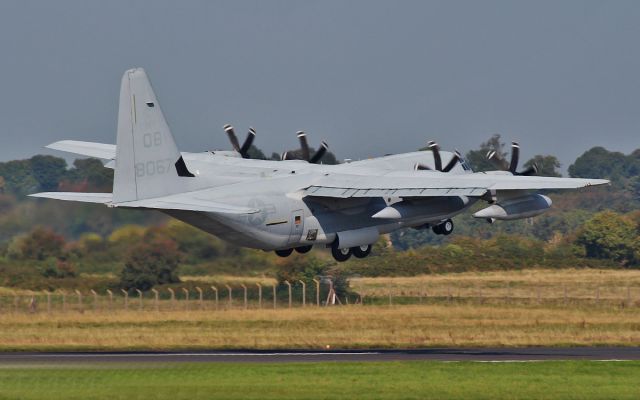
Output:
x,y
576,307
354,327
391,380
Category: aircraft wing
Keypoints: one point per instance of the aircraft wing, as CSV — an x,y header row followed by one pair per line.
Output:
x,y
435,184
90,149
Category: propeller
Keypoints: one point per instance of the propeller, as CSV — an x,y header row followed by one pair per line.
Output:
x,y
512,166
435,149
306,151
244,149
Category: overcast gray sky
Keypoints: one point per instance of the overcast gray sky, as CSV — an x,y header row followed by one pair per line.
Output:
x,y
371,77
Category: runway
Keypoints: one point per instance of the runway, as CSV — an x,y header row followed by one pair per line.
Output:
x,y
284,356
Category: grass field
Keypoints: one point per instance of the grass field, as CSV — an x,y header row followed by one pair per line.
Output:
x,y
354,326
392,380
515,308
576,284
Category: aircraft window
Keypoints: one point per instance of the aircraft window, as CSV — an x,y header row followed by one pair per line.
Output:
x,y
150,104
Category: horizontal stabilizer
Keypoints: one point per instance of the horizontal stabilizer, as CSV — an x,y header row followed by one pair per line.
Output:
x,y
101,198
89,149
181,202
177,202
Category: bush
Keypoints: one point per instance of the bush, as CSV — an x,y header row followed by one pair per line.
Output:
x,y
150,263
610,235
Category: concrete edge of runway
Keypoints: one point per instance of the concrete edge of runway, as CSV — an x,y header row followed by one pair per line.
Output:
x,y
523,354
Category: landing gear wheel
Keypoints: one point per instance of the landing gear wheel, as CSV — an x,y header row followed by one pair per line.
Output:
x,y
340,254
284,253
445,228
361,251
304,249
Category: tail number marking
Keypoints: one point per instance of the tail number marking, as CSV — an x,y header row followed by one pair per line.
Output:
x,y
152,139
150,168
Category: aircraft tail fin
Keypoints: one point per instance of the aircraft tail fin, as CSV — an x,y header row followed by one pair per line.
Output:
x,y
148,163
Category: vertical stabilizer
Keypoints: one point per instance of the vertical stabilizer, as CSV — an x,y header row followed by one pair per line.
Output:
x,y
148,163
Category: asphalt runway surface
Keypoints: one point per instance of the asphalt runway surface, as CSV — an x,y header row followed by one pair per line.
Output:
x,y
282,356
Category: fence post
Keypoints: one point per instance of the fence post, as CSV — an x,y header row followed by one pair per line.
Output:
x,y
126,298
95,300
290,298
317,282
156,305
110,293
230,295
139,299
304,293
259,295
79,299
275,298
200,298
64,300
244,288
48,293
215,289
186,298
173,298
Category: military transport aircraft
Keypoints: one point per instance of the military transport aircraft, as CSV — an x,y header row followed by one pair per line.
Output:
x,y
294,204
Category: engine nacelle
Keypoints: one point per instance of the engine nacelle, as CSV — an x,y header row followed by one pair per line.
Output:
x,y
516,208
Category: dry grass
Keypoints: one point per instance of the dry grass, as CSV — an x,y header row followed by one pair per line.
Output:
x,y
230,279
469,309
312,327
548,284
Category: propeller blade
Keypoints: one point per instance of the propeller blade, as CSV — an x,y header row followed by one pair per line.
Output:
x,y
247,143
232,137
515,156
435,149
421,167
452,163
497,161
320,153
284,156
304,145
532,170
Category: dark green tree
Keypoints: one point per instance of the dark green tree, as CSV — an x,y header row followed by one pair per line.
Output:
x,y
547,165
609,235
48,170
18,177
92,172
477,159
598,162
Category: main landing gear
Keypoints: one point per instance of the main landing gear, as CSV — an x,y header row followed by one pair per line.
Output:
x,y
340,254
343,254
444,228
